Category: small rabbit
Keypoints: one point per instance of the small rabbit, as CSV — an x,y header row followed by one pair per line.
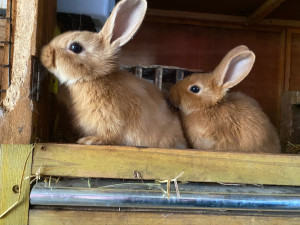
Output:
x,y
216,120
112,106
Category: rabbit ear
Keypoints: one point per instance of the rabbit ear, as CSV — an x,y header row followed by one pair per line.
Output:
x,y
124,21
234,67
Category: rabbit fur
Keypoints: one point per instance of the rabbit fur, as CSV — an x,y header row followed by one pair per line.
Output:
x,y
216,120
112,106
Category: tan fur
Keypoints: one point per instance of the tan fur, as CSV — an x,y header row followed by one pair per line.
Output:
x,y
216,120
111,106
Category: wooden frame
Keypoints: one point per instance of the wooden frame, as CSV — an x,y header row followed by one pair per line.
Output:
x,y
120,162
151,163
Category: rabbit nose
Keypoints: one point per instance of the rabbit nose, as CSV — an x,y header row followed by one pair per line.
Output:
x,y
48,57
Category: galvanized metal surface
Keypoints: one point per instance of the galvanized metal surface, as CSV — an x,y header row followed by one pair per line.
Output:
x,y
153,195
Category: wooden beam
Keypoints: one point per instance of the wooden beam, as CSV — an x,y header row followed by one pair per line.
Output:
x,y
121,162
12,162
215,20
280,23
46,22
71,217
264,10
197,16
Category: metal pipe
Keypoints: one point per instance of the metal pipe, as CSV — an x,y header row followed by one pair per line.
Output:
x,y
152,195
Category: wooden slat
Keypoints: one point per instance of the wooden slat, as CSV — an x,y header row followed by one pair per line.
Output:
x,y
197,16
48,217
288,55
264,10
45,32
6,58
2,31
215,20
280,23
160,164
12,161
294,78
17,125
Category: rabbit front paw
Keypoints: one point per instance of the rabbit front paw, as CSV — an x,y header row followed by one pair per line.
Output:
x,y
90,140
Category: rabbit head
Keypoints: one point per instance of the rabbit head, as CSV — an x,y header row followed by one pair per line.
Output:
x,y
206,89
83,56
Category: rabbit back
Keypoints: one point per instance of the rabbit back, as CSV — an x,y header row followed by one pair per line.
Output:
x,y
235,124
123,109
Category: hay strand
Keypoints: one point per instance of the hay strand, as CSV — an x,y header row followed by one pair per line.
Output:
x,y
169,185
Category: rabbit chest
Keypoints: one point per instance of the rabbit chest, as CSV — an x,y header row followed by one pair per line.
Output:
x,y
198,131
98,108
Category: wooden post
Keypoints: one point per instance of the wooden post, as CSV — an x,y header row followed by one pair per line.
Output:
x,y
16,126
12,165
30,32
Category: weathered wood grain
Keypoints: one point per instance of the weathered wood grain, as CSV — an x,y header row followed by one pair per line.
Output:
x,y
17,125
160,164
12,161
48,217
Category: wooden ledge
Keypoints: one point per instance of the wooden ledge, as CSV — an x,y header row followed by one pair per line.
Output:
x,y
54,217
122,162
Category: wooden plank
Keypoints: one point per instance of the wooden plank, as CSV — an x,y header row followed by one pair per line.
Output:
x,y
281,74
48,217
280,23
7,59
294,78
12,161
197,16
44,107
264,10
160,164
288,55
216,20
17,124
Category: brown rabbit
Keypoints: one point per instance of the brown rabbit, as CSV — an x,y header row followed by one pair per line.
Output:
x,y
216,120
112,106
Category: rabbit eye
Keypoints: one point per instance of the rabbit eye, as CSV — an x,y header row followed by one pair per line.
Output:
x,y
75,47
195,89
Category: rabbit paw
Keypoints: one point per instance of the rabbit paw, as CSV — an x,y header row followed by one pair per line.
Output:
x,y
90,140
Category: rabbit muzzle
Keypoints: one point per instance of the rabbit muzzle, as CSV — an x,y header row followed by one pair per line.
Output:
x,y
48,57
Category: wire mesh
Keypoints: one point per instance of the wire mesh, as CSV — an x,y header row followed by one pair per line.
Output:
x,y
8,42
162,76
